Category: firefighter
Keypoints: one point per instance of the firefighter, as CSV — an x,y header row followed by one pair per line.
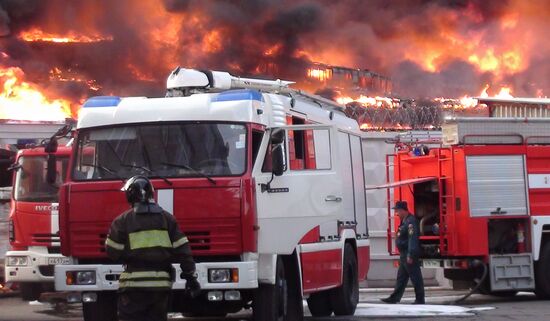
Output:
x,y
147,240
408,244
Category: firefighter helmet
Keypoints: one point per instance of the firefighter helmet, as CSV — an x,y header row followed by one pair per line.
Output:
x,y
139,189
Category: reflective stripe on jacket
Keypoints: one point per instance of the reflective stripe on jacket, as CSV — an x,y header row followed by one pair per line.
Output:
x,y
145,279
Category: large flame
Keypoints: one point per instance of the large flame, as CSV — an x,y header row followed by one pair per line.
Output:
x,y
20,100
129,49
69,76
366,101
319,74
36,34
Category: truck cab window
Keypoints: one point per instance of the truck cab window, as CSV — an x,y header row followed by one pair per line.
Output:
x,y
297,145
309,149
31,184
174,150
257,137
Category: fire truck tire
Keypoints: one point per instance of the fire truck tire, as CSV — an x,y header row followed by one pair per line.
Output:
x,y
104,309
345,298
542,278
279,301
30,291
319,304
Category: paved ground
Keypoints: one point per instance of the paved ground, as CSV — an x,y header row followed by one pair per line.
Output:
x,y
524,306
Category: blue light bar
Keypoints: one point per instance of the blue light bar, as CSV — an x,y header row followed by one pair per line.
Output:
x,y
238,94
102,101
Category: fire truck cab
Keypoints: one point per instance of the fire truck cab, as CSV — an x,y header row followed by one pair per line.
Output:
x,y
33,221
481,197
267,183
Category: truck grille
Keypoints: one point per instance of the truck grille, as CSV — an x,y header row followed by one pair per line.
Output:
x,y
45,239
88,239
210,237
214,237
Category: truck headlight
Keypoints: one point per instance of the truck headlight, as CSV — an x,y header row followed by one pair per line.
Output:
x,y
17,260
223,275
80,278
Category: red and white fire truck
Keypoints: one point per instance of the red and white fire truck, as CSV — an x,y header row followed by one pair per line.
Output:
x,y
33,221
482,198
267,182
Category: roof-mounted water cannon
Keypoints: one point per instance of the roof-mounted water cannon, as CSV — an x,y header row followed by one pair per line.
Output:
x,y
184,82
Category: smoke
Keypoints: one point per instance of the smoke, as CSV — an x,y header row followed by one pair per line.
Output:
x,y
4,23
429,47
453,80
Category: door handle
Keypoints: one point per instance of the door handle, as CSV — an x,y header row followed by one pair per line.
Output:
x,y
332,198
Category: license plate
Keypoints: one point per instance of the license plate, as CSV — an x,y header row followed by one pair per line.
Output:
x,y
58,260
430,264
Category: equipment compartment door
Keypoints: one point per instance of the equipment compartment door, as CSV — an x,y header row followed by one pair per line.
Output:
x,y
497,185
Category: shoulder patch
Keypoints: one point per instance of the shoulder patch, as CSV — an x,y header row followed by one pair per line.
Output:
x,y
411,230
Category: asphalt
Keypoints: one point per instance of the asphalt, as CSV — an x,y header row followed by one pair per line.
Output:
x,y
524,306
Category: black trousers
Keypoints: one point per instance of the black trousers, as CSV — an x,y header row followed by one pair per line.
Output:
x,y
406,272
135,305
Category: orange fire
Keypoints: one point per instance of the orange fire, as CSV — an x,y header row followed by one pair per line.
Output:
x,y
69,76
370,101
212,41
505,92
319,74
470,102
273,50
36,34
20,100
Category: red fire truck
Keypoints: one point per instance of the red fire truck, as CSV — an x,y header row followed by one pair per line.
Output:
x,y
33,221
267,182
482,201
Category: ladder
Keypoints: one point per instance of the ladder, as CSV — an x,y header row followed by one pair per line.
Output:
x,y
391,234
446,198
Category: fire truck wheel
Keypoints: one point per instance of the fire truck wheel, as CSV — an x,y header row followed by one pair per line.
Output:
x,y
104,309
281,301
345,298
542,278
30,291
319,304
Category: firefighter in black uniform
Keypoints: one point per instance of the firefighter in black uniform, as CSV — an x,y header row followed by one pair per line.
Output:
x,y
409,250
147,240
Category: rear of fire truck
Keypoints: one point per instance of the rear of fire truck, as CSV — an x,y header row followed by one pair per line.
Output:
x,y
33,221
217,157
480,195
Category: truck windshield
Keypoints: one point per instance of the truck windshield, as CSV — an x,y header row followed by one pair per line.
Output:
x,y
30,179
161,150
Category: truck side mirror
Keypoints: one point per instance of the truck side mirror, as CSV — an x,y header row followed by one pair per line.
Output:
x,y
51,171
277,136
278,160
51,146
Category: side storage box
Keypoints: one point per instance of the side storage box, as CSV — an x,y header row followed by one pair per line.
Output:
x,y
511,272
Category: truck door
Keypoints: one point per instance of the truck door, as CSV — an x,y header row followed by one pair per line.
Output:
x,y
307,196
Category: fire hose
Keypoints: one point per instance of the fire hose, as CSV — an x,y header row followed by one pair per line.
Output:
x,y
474,264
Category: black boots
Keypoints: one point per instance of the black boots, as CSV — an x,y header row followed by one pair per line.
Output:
x,y
389,300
